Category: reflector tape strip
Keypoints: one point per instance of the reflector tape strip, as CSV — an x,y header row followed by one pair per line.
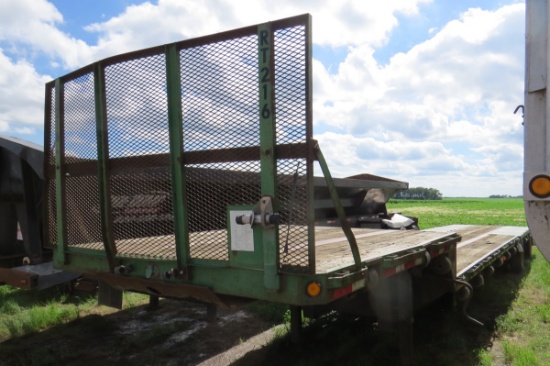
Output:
x,y
339,292
403,267
439,251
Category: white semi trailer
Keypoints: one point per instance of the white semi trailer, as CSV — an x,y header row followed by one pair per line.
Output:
x,y
536,187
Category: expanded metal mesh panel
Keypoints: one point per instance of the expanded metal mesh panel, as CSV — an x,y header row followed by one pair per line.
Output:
x,y
51,223
50,121
220,95
291,104
81,192
293,230
220,110
137,107
82,208
137,125
211,188
79,121
220,143
141,205
290,85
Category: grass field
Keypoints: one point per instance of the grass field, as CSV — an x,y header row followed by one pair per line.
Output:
x,y
515,309
476,211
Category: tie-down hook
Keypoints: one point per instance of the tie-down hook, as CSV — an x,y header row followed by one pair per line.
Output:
x,y
522,112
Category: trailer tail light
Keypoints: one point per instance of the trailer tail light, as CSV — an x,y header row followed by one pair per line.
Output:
x,y
313,289
539,186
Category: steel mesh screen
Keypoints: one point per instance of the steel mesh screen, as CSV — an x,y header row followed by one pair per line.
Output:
x,y
220,95
220,111
291,104
293,230
220,142
137,125
210,189
141,205
290,85
82,196
79,121
51,219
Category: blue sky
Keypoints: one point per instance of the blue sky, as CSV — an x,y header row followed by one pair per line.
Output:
x,y
416,90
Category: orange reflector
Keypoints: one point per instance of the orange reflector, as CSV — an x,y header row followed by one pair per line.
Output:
x,y
539,186
313,289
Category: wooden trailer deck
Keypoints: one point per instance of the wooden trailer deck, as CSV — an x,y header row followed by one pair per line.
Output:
x,y
332,251
332,248
479,241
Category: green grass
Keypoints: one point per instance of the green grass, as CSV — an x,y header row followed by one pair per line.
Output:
x,y
525,329
475,211
24,312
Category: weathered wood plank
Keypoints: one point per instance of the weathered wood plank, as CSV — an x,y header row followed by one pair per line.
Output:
x,y
332,248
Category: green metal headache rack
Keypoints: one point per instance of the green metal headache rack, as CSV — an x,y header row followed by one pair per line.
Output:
x,y
187,170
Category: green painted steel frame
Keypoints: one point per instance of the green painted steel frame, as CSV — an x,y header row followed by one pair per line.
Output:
x,y
59,254
102,162
339,209
311,156
268,162
181,231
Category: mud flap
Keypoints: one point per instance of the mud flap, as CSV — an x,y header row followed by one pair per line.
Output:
x,y
392,301
109,296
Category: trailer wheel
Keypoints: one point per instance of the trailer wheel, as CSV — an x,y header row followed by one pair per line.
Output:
x,y
527,248
517,263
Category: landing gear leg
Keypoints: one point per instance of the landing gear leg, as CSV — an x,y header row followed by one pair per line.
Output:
x,y
295,324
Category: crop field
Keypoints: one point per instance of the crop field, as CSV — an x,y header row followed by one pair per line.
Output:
x,y
52,328
475,211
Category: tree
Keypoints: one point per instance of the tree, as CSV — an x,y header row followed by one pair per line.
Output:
x,y
419,193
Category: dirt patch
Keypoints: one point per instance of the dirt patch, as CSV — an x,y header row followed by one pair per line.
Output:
x,y
177,333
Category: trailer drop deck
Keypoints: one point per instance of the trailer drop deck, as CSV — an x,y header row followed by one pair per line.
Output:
x,y
485,246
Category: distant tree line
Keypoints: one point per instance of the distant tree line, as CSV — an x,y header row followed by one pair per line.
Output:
x,y
504,196
419,193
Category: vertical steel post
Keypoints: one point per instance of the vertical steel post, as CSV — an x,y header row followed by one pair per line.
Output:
x,y
295,324
268,161
59,256
310,151
103,163
181,222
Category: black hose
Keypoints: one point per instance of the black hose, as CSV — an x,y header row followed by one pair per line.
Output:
x,y
467,302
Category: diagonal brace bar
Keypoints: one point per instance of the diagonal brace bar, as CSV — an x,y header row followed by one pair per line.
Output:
x,y
338,206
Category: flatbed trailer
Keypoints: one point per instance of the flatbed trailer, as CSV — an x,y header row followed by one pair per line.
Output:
x,y
24,262
187,170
